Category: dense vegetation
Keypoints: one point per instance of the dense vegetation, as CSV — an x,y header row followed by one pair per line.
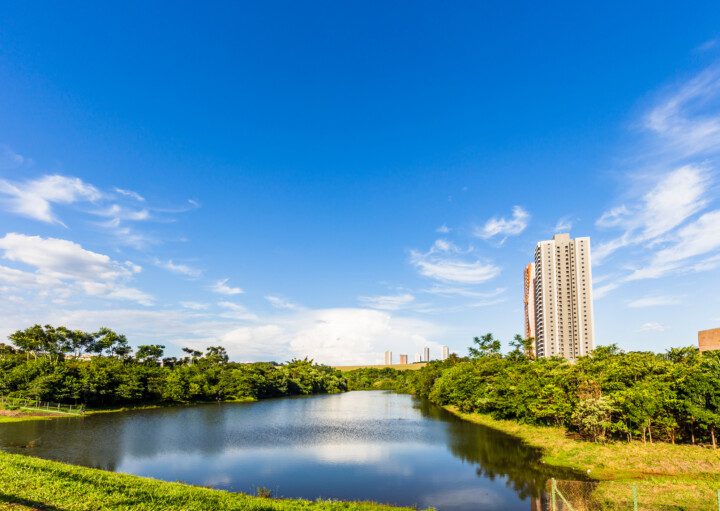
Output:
x,y
31,483
672,397
52,364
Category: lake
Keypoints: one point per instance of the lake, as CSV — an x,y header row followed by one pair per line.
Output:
x,y
374,445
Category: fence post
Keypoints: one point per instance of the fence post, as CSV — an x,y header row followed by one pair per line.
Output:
x,y
635,503
553,493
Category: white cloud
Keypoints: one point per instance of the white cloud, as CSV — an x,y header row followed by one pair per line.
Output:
x,y
674,198
653,326
387,302
332,336
602,291
443,262
504,227
119,213
129,193
281,303
564,224
695,239
687,120
34,198
653,301
221,287
237,311
196,306
10,159
464,292
182,269
443,229
62,263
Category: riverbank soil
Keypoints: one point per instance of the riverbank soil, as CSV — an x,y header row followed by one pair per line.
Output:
x,y
679,477
32,483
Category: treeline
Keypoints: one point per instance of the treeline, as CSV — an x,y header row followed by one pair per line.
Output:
x,y
671,397
101,369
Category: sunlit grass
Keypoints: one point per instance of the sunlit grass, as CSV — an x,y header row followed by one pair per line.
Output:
x,y
32,483
667,476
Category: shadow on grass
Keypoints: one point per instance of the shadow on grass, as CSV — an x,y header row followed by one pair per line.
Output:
x,y
12,499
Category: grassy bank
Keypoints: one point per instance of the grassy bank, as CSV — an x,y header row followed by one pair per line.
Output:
x,y
667,476
31,483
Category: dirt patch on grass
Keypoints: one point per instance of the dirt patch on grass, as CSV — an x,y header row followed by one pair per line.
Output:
x,y
23,413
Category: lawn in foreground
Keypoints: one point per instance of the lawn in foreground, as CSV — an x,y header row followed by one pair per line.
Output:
x,y
32,483
667,476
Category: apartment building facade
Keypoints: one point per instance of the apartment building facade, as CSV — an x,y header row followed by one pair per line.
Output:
x,y
564,324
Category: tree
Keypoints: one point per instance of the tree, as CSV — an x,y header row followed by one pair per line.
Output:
x,y
114,345
217,354
150,353
522,348
487,346
193,355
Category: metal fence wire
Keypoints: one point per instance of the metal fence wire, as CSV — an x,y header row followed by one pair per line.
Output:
x,y
21,403
582,496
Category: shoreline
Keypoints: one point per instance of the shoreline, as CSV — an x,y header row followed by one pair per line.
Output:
x,y
666,475
37,483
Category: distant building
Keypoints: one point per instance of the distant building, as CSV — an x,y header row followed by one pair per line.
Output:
x,y
403,359
564,324
426,354
417,358
709,339
529,300
388,358
445,353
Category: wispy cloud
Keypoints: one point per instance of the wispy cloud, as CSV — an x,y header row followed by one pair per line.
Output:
x,y
446,262
221,287
238,311
182,269
653,301
35,198
281,303
10,159
696,239
504,227
687,120
564,224
196,306
387,302
654,326
674,198
130,193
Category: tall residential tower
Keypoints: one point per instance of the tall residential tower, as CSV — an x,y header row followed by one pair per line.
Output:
x,y
563,298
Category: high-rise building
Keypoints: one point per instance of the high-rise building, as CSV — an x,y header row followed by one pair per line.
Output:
x,y
403,359
417,358
563,298
426,354
529,300
445,353
388,358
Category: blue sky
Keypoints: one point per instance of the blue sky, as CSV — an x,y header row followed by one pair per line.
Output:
x,y
336,179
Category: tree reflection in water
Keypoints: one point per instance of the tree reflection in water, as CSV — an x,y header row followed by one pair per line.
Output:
x,y
497,454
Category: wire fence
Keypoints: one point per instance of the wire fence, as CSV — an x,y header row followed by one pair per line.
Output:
x,y
21,403
564,495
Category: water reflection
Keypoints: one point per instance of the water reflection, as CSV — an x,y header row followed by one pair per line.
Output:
x,y
360,445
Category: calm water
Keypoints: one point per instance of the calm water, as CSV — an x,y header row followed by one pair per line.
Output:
x,y
359,445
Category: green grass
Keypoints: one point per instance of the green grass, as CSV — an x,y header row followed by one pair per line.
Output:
x,y
31,483
667,476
